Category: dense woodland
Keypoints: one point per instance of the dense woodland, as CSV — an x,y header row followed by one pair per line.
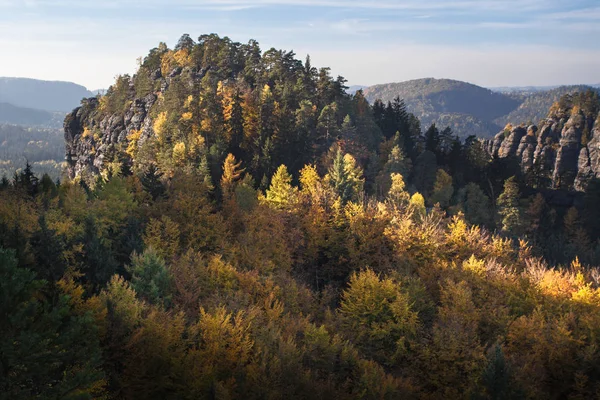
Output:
x,y
274,237
43,148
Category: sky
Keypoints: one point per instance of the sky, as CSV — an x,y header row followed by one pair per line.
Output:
x,y
487,42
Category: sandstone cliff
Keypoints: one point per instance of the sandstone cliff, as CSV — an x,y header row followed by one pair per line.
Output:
x,y
565,147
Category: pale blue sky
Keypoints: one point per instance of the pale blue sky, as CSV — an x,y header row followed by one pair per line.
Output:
x,y
487,42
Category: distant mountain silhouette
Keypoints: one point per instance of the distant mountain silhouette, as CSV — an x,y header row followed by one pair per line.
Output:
x,y
42,95
468,109
11,114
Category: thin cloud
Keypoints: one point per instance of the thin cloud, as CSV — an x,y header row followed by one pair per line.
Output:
x,y
485,5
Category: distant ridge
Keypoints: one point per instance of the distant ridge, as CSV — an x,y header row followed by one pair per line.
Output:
x,y
11,114
42,95
468,109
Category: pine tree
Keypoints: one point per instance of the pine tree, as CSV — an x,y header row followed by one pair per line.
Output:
x,y
327,122
432,139
204,171
497,378
425,172
26,180
48,250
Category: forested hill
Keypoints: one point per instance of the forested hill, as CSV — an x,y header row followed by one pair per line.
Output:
x,y
468,109
11,114
41,95
192,105
536,103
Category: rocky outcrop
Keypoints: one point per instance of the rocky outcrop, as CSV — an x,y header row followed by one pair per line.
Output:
x,y
95,136
90,140
556,148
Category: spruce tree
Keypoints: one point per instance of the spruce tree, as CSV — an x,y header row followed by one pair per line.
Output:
x,y
509,210
151,182
345,177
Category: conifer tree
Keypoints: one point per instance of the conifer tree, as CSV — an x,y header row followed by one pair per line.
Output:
x,y
477,207
204,171
47,349
345,177
151,182
425,172
149,277
509,210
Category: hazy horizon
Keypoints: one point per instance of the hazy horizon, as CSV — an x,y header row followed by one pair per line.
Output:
x,y
488,43
350,85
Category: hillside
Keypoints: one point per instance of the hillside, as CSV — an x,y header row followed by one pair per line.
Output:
x,y
11,114
443,100
42,148
42,95
535,104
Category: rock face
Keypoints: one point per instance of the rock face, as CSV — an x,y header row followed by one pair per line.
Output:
x,y
89,141
556,149
95,136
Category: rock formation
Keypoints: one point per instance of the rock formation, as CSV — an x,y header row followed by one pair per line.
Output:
x,y
562,148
